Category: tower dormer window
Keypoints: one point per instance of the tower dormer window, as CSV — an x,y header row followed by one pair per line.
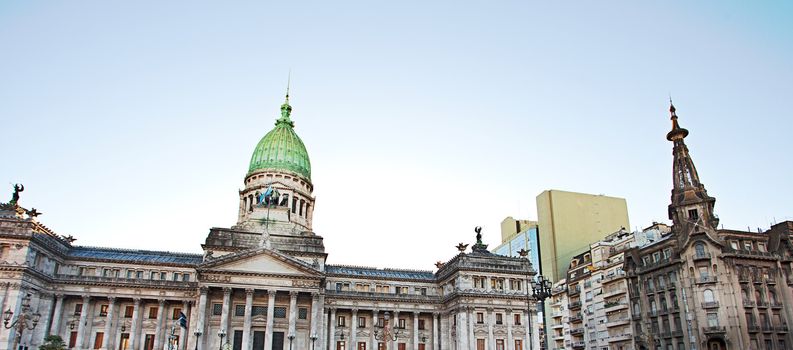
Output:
x,y
693,214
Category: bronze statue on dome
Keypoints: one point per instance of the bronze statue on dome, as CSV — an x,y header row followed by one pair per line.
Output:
x,y
15,197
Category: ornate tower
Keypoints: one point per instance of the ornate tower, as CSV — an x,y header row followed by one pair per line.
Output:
x,y
278,194
691,208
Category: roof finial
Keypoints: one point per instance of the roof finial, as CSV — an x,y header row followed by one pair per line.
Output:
x,y
671,106
288,81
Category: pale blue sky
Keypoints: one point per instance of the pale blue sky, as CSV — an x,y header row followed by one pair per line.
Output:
x,y
132,124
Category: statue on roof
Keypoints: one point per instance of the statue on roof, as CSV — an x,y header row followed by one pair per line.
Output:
x,y
33,212
478,231
15,197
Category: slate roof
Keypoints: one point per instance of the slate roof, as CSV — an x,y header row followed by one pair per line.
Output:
x,y
359,271
135,256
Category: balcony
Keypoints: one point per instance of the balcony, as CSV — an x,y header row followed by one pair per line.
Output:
x,y
753,328
677,333
557,325
701,256
706,279
776,305
652,313
578,345
671,286
666,334
573,291
614,292
576,318
618,338
714,330
121,282
613,306
710,305
748,303
574,305
781,329
762,304
767,328
617,322
613,277
636,316
660,263
749,253
576,331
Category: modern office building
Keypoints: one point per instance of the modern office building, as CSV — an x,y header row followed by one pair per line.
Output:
x,y
517,235
568,222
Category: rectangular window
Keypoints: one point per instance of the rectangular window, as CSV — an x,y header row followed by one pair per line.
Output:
x,y
423,291
78,309
340,345
361,322
139,274
128,311
401,323
153,312
302,313
479,282
499,344
480,344
98,340
217,309
259,310
713,320
693,214
361,345
176,312
747,245
177,276
518,344
499,319
517,319
148,342
72,339
341,321
130,273
421,324
239,310
102,310
154,275
381,322
186,277
279,312
163,276
480,318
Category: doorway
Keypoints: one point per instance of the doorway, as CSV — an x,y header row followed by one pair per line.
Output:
x,y
258,340
278,341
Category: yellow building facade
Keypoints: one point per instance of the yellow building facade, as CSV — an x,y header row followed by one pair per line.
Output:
x,y
569,222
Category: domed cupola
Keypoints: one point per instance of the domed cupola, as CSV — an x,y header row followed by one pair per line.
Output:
x,y
281,149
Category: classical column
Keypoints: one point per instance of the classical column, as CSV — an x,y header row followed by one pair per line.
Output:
x,y
182,330
354,329
314,316
529,338
246,327
224,314
510,317
471,337
201,322
491,320
332,333
268,335
111,310
158,343
292,312
435,332
133,331
55,327
372,340
415,331
462,328
395,325
83,322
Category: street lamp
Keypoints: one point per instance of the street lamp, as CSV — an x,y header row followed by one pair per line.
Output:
x,y
197,336
291,338
387,334
25,320
172,337
221,334
542,290
313,339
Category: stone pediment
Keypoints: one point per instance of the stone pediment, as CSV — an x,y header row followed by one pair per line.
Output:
x,y
259,261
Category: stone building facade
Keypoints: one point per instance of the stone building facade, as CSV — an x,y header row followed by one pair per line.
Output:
x,y
260,284
690,286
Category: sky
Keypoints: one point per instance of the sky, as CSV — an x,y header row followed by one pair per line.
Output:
x,y
131,124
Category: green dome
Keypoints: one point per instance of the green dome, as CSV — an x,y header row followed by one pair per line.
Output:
x,y
281,148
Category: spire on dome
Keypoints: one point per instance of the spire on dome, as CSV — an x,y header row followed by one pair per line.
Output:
x,y
286,109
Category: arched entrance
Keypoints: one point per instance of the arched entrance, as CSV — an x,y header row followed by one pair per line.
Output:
x,y
715,343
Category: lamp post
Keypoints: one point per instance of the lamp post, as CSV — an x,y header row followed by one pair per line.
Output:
x,y
541,289
25,320
291,338
172,337
197,337
387,334
313,339
221,334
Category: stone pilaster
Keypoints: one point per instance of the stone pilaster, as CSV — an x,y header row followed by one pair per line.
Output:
x,y
55,326
201,322
247,344
354,329
134,329
292,313
158,331
81,328
268,335
107,344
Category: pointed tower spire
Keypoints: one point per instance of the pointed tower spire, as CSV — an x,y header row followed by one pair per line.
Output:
x,y
691,207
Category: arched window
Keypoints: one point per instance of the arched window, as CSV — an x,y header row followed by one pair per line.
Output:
x,y
708,296
699,248
772,296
